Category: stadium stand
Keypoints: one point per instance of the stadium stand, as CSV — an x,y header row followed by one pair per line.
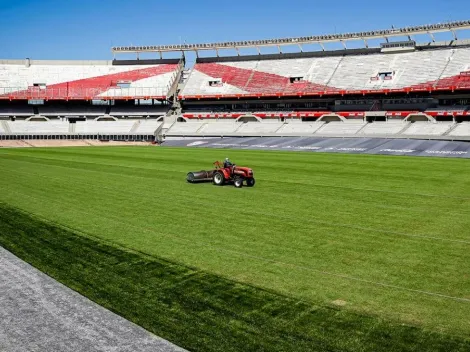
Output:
x,y
83,80
419,70
428,128
38,127
259,128
105,127
186,128
339,128
219,127
297,127
146,127
384,128
461,130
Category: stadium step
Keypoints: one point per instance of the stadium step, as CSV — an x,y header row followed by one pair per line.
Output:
x,y
454,125
134,127
334,71
6,126
359,131
251,76
407,124
449,59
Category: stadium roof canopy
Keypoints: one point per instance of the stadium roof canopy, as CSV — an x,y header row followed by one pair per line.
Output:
x,y
317,39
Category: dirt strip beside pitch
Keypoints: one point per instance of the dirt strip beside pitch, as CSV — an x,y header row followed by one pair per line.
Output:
x,y
39,314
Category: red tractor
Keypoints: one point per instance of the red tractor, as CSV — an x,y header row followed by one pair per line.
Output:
x,y
221,175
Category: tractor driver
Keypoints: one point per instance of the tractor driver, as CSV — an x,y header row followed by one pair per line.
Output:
x,y
227,163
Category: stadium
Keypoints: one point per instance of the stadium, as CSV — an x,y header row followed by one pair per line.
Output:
x,y
354,238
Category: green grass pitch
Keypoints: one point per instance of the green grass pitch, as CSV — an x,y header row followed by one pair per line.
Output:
x,y
326,252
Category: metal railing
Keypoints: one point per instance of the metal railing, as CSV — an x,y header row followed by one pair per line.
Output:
x,y
81,93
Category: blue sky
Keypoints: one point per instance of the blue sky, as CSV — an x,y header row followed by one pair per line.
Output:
x,y
86,29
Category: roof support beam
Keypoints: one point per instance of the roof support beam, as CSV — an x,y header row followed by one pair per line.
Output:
x,y
454,34
432,37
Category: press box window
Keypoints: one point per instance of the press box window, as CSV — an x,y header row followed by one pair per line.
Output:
x,y
296,79
102,102
36,102
215,83
385,76
40,85
124,84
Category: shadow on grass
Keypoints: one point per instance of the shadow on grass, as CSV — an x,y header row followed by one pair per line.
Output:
x,y
197,310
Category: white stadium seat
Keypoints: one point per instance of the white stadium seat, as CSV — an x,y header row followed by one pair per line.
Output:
x,y
383,128
38,127
104,127
461,130
339,128
428,128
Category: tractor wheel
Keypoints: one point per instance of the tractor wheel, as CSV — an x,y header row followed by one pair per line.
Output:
x,y
219,179
238,182
190,177
250,182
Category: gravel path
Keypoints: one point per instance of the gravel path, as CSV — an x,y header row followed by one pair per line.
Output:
x,y
39,314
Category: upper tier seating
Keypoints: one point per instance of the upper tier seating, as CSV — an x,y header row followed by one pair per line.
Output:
x,y
442,68
62,80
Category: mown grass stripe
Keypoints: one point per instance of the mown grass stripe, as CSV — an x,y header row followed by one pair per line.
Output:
x,y
197,310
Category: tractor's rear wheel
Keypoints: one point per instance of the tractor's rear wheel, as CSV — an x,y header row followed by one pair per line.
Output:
x,y
250,182
238,182
190,177
218,179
